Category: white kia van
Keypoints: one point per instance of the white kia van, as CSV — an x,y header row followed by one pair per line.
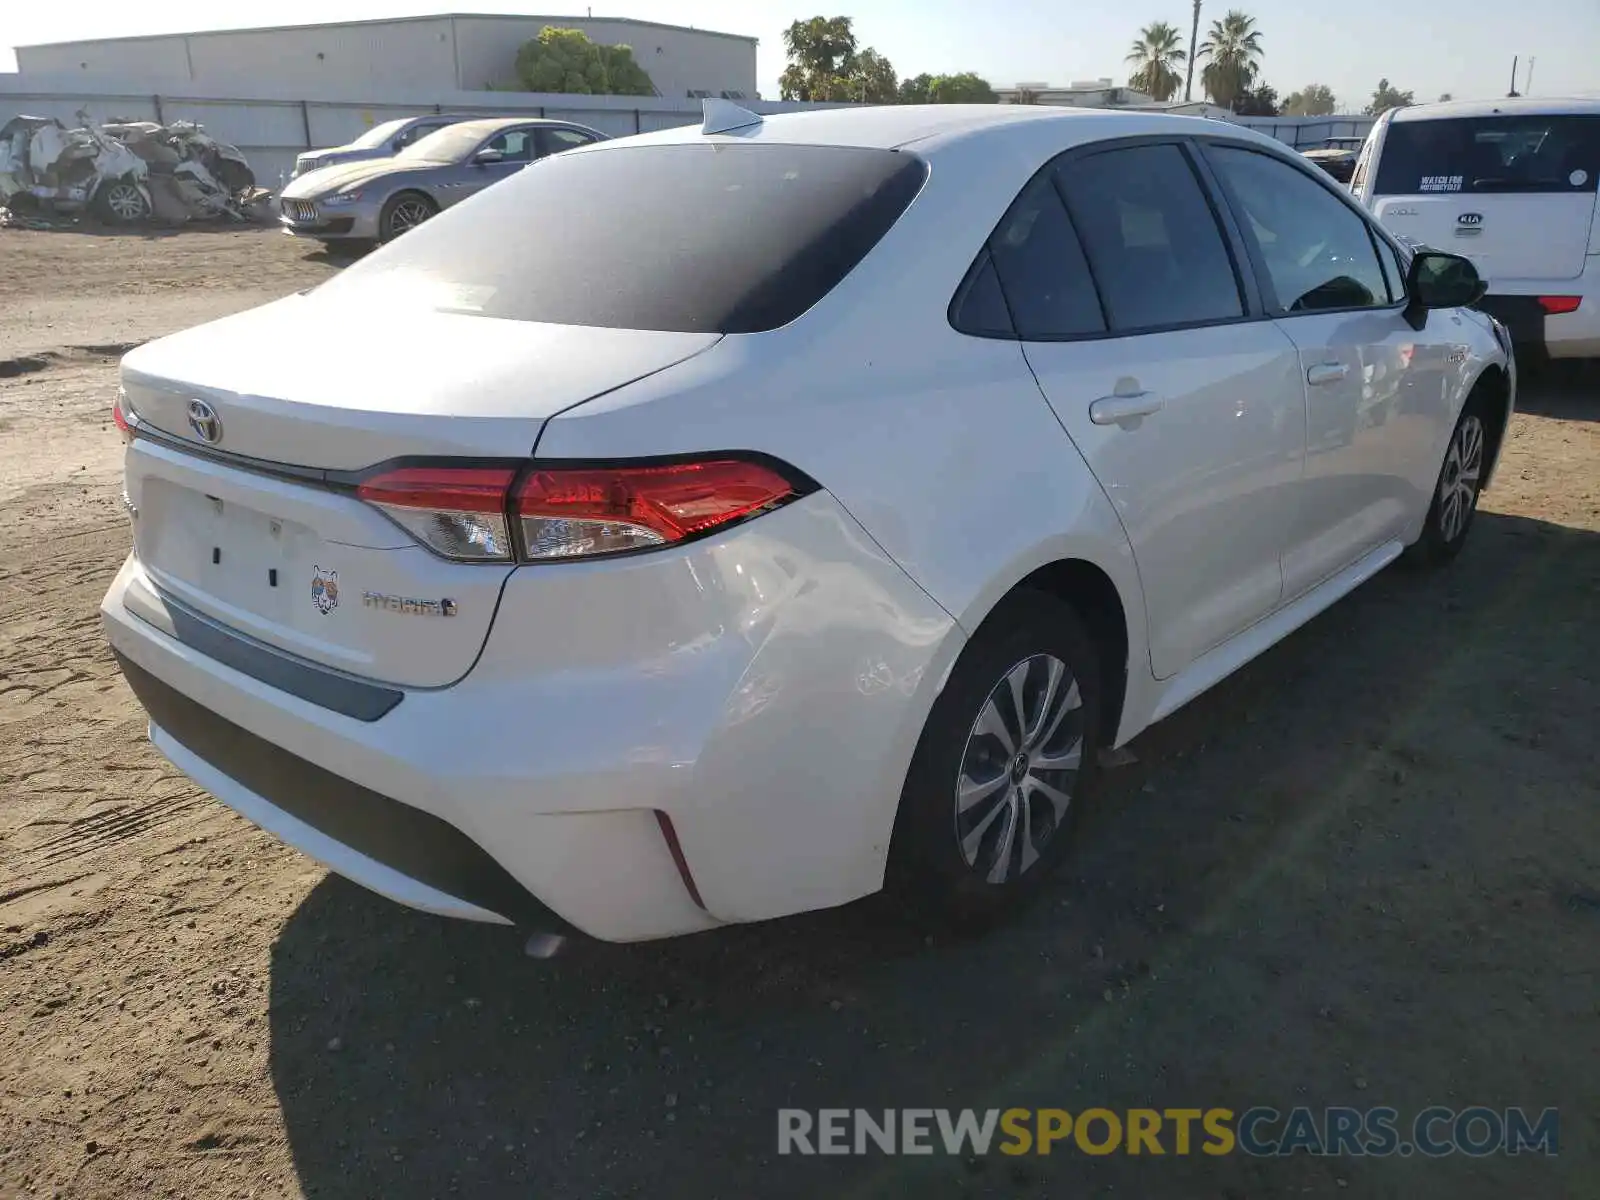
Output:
x,y
1509,184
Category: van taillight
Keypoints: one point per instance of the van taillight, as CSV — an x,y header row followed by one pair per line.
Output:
x,y
1555,306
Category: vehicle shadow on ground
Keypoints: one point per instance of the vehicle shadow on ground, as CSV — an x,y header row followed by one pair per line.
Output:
x,y
1567,391
1197,951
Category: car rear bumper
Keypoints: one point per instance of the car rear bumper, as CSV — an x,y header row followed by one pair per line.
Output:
x,y
1539,335
762,691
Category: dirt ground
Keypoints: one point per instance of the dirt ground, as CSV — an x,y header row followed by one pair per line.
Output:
x,y
1365,871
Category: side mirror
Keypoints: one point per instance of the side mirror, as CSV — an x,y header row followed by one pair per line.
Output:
x,y
484,158
1440,280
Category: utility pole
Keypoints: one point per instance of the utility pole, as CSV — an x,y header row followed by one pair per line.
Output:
x,y
1527,83
1513,93
1194,39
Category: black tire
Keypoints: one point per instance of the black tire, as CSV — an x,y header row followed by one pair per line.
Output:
x,y
121,202
390,224
1466,459
939,860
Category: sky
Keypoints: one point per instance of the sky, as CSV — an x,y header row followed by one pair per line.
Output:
x,y
1463,47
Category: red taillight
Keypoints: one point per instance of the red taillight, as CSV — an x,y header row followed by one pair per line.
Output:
x,y
579,512
466,513
120,418
1554,306
458,512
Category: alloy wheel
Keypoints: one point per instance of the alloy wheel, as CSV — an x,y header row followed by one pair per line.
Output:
x,y
1458,482
407,214
1019,768
125,201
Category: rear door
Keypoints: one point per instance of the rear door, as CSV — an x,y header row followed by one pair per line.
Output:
x,y
1140,329
1514,193
1376,407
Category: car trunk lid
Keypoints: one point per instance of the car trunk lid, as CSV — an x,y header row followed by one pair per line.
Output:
x,y
258,527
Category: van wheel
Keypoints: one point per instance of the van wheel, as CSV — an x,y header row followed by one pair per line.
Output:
x,y
1455,495
1005,766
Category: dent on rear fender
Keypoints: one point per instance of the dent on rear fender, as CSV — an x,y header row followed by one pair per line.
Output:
x,y
794,794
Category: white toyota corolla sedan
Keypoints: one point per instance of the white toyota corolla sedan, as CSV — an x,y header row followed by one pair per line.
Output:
x,y
748,516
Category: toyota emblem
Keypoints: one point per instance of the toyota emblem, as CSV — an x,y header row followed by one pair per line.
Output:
x,y
204,421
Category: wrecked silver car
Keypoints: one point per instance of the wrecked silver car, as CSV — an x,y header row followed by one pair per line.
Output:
x,y
123,171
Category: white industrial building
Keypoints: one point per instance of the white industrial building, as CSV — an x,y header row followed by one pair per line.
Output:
x,y
456,52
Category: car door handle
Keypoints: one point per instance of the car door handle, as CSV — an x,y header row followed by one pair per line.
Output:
x,y
1114,410
1324,373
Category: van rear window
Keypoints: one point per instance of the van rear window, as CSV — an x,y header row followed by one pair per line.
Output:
x,y
1522,153
688,237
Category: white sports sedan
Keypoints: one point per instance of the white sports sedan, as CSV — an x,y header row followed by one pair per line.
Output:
x,y
753,515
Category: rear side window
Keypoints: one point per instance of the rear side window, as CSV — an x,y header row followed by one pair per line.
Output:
x,y
700,238
1041,267
1153,243
1522,153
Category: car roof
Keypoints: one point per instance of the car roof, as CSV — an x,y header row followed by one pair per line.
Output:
x,y
931,126
484,126
1531,106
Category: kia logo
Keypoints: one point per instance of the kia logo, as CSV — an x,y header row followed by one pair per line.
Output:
x,y
1470,219
204,421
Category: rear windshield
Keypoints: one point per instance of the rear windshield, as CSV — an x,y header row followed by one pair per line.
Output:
x,y
1524,153
702,238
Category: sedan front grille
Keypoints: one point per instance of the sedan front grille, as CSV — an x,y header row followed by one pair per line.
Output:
x,y
300,210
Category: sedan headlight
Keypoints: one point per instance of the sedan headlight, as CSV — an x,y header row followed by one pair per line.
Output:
x,y
339,199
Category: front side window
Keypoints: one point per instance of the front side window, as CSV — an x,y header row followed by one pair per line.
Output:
x,y
1522,153
514,145
1152,241
1316,250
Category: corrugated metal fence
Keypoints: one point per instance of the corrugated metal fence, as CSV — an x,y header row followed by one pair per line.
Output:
x,y
271,131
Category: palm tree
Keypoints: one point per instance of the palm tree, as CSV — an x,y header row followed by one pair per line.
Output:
x,y
1230,50
1156,55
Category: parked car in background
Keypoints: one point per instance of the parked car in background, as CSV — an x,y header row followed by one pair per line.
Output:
x,y
1511,185
381,141
1337,156
738,519
381,199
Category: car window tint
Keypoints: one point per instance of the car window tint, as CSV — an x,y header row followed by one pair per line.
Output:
x,y
1041,267
1151,238
557,140
515,145
1394,269
689,237
980,307
1316,249
1528,152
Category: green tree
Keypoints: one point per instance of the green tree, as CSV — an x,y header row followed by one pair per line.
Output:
x,y
1259,101
1232,51
825,64
565,60
1387,97
915,89
820,52
965,88
1156,55
1313,100
872,79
